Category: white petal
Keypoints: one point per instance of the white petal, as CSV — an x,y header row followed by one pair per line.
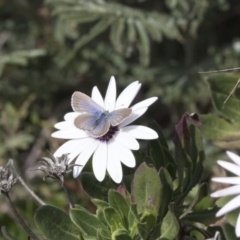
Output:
x,y
127,95
124,155
114,167
230,206
72,133
110,97
126,140
97,97
227,191
235,158
99,162
70,116
63,125
85,142
84,157
140,132
134,115
237,228
145,103
228,180
67,147
230,167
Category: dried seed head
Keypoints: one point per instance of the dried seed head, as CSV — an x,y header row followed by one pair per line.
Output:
x,y
55,167
7,180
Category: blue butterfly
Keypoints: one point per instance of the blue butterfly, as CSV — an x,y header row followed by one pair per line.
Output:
x,y
94,118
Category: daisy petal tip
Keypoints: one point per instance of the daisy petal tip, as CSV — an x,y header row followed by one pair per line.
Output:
x,y
213,195
154,135
219,214
76,171
54,135
112,78
100,177
116,179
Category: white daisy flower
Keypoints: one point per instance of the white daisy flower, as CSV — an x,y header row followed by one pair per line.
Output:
x,y
235,189
113,148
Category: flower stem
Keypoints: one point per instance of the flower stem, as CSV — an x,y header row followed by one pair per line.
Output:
x,y
19,219
70,201
34,196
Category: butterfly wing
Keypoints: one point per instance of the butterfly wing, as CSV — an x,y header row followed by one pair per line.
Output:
x,y
83,103
96,125
118,116
85,121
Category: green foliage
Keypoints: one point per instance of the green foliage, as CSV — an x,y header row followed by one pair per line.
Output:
x,y
223,129
55,224
20,58
139,25
158,205
11,135
52,48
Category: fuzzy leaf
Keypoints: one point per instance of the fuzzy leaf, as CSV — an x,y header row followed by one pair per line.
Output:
x,y
121,235
206,216
229,232
146,189
87,222
169,227
55,224
167,190
113,219
152,124
218,129
117,201
95,188
157,154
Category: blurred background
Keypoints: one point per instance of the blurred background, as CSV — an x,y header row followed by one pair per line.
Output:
x,y
49,49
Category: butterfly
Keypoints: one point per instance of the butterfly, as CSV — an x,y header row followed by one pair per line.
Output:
x,y
94,118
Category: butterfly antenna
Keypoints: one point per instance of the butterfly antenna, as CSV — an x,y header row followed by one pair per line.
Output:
x,y
233,91
223,70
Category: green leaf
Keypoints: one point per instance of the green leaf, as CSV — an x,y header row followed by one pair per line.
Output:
x,y
146,189
167,190
152,124
94,188
113,219
121,235
117,201
218,129
202,188
116,33
223,83
55,224
103,235
132,221
150,219
169,227
6,234
99,203
87,222
206,216
230,109
157,154
143,46
229,232
143,230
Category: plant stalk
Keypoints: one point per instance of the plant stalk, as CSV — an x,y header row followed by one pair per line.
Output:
x,y
70,201
19,218
34,196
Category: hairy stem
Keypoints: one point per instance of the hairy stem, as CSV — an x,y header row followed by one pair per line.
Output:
x,y
34,196
70,201
19,219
